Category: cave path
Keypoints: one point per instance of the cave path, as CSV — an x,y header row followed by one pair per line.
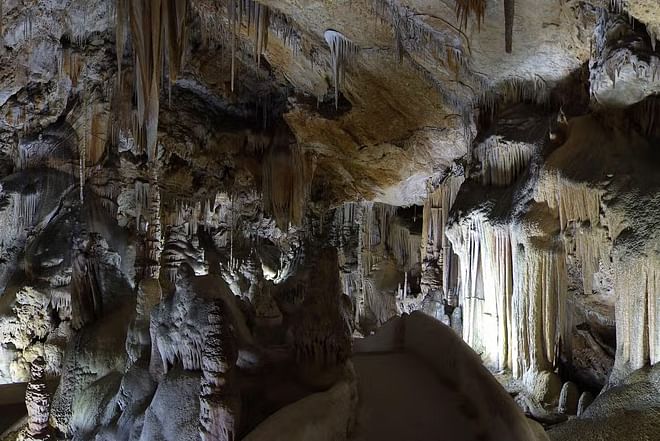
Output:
x,y
401,399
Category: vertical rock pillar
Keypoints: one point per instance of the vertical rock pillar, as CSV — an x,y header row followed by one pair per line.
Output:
x,y
218,402
37,401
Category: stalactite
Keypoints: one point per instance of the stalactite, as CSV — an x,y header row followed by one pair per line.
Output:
x,y
513,295
120,35
262,19
502,162
83,148
637,287
435,248
465,8
509,16
287,176
141,201
156,27
403,245
342,51
86,298
573,201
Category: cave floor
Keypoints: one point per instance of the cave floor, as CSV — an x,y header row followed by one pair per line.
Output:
x,y
402,399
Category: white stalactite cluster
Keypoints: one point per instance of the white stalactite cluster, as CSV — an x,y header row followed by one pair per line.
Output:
x,y
513,294
502,162
342,51
403,245
637,284
435,249
573,201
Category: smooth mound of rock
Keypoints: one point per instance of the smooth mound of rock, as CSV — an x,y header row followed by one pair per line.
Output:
x,y
626,412
568,399
585,401
323,416
546,388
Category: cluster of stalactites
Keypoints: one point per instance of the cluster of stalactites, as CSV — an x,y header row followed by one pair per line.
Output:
x,y
287,177
485,288
210,212
342,50
502,162
616,48
540,320
513,295
465,8
254,18
158,33
637,284
412,34
376,234
573,201
404,246
435,249
513,90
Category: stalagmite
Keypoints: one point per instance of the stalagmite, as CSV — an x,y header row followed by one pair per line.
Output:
x,y
154,245
342,50
86,298
37,401
219,404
